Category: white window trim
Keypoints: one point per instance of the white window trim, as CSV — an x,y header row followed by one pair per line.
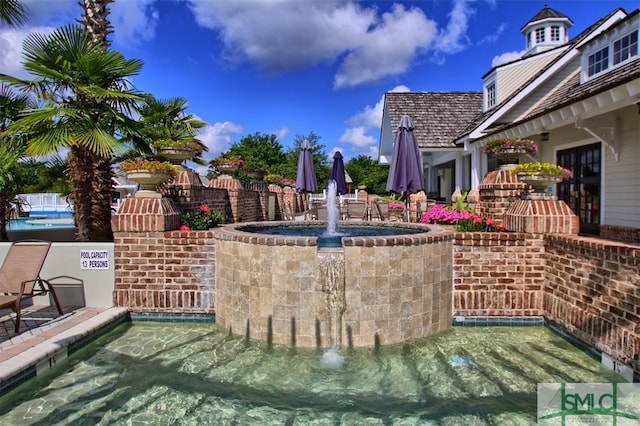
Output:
x,y
488,85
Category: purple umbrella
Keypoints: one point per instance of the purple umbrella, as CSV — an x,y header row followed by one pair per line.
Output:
x,y
405,173
306,176
337,173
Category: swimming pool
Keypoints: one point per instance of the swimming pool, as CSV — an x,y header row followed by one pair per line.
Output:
x,y
186,373
41,221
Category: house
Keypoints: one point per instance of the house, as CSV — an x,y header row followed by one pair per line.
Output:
x,y
438,119
578,99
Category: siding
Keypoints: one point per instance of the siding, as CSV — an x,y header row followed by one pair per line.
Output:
x,y
509,78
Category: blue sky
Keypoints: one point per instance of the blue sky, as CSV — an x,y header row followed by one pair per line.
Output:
x,y
291,67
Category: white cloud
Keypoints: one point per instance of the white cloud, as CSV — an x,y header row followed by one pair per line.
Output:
x,y
367,120
388,49
11,40
356,136
279,36
133,22
218,137
453,38
506,57
281,133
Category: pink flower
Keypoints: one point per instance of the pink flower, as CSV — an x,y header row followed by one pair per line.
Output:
x,y
204,209
185,228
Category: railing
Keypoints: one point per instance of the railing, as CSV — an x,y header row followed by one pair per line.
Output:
x,y
44,202
321,197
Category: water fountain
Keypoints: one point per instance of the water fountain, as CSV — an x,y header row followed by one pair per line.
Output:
x,y
388,285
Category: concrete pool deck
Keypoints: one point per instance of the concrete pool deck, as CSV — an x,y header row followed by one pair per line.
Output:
x,y
47,337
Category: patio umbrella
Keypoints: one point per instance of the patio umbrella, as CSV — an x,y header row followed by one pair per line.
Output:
x,y
337,173
405,172
306,175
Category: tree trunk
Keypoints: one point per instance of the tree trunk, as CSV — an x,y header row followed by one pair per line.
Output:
x,y
82,175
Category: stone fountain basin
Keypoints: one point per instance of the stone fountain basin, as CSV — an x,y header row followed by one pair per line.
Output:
x,y
372,290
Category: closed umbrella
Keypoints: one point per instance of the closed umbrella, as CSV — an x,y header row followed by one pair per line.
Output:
x,y
405,172
306,181
306,175
337,174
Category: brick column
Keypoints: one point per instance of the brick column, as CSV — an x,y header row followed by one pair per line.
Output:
x,y
157,268
498,190
541,214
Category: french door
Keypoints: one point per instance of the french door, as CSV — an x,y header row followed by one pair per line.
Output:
x,y
582,192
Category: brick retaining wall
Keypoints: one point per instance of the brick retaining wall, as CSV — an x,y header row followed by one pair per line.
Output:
x,y
589,287
593,292
497,274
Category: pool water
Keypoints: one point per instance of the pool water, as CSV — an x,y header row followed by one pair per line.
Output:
x,y
41,221
196,374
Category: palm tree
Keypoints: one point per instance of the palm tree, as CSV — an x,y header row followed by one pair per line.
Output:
x,y
12,151
87,100
95,19
12,12
164,123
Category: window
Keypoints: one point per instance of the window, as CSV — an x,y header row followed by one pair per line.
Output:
x,y
491,95
529,39
540,35
625,48
598,62
555,33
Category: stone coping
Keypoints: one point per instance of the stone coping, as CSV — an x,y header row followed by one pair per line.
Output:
x,y
432,233
28,355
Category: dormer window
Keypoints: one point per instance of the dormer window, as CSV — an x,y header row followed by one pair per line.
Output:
x,y
598,62
555,33
625,47
490,95
539,35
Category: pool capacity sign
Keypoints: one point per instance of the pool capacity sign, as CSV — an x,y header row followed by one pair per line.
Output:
x,y
94,259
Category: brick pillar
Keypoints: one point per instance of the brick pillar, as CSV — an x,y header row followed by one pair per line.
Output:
x,y
498,190
233,186
541,213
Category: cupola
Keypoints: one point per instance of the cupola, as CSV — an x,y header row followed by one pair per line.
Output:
x,y
548,29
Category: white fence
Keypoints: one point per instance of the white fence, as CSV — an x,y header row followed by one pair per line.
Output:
x,y
321,197
44,202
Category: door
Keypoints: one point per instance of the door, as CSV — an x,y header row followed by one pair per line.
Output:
x,y
582,192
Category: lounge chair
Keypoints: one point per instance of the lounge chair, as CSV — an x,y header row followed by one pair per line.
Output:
x,y
20,276
356,210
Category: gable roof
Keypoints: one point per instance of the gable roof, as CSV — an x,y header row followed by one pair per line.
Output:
x,y
499,111
573,91
438,117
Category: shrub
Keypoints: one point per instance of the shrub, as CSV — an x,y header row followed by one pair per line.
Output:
x,y
201,219
464,220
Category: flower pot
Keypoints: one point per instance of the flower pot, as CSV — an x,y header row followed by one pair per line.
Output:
x,y
175,155
508,156
538,182
227,167
148,182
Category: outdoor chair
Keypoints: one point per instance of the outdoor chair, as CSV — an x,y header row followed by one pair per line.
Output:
x,y
382,209
20,276
356,210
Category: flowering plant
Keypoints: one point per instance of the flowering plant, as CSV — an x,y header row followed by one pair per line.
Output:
x,y
545,170
201,219
152,166
395,205
223,159
193,146
521,146
464,220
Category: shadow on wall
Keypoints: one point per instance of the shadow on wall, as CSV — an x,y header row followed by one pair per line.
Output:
x,y
52,234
